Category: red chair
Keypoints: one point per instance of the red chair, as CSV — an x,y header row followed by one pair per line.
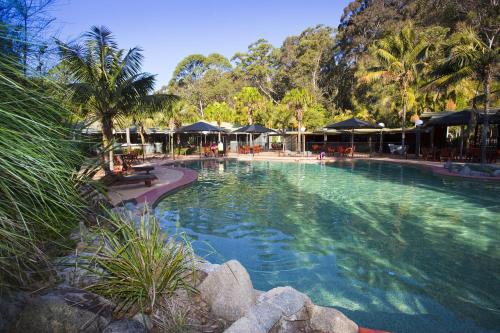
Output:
x,y
341,150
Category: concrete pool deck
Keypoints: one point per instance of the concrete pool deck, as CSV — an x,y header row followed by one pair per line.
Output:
x,y
169,178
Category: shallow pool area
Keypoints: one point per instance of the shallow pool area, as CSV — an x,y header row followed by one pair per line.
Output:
x,y
391,246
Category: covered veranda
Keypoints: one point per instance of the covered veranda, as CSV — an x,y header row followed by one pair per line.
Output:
x,y
456,135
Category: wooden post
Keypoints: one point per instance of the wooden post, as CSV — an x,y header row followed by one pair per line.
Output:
x,y
352,143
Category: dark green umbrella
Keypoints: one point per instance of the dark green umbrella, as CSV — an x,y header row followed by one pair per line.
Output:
x,y
352,124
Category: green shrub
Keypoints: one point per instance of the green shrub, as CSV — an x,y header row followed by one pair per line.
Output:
x,y
139,264
39,199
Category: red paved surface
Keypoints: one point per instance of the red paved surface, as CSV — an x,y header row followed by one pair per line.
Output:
x,y
367,330
151,197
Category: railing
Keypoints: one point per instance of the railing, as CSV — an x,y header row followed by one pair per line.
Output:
x,y
365,147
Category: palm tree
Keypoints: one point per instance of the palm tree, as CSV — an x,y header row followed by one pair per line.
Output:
x,y
298,100
282,117
468,57
249,102
219,112
400,59
107,80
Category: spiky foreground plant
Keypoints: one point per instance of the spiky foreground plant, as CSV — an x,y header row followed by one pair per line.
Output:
x,y
139,264
39,199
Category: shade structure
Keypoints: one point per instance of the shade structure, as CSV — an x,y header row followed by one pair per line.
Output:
x,y
256,128
252,129
199,127
452,119
458,118
492,118
350,124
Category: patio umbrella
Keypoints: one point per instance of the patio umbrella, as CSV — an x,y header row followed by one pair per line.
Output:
x,y
351,124
200,127
252,129
256,128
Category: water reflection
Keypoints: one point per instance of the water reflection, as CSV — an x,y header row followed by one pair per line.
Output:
x,y
394,247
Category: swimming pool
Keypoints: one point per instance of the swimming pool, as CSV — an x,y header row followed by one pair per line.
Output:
x,y
391,246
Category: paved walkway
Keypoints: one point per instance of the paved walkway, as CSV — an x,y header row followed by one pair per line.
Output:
x,y
169,178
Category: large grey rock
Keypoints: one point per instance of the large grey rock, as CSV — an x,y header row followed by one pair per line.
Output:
x,y
65,310
11,304
293,306
329,320
287,299
281,309
125,326
145,320
245,325
73,270
228,291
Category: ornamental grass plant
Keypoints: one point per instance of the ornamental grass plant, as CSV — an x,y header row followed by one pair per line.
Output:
x,y
39,182
139,264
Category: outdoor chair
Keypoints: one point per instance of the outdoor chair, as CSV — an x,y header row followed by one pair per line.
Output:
x,y
349,151
397,149
340,150
331,151
131,158
315,148
427,153
135,178
141,168
206,151
446,154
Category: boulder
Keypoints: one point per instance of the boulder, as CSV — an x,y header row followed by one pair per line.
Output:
x,y
145,320
11,305
496,173
329,320
228,291
287,299
65,310
279,310
245,325
125,326
72,271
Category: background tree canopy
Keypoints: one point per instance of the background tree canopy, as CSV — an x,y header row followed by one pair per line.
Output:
x,y
332,66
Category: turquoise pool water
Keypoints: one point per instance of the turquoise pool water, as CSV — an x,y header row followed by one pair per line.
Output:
x,y
393,247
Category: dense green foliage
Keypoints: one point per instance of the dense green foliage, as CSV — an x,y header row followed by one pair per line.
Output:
x,y
141,265
336,67
39,198
106,80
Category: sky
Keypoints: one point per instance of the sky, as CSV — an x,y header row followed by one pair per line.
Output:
x,y
169,30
